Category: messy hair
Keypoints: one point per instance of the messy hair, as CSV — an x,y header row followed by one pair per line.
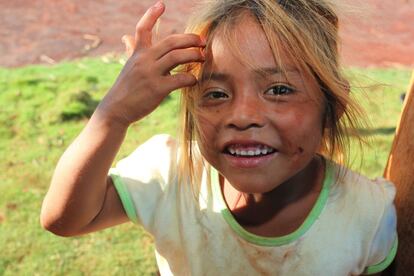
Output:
x,y
308,30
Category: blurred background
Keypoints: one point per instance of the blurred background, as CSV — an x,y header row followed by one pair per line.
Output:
x,y
58,59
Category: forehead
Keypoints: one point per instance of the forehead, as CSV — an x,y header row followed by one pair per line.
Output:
x,y
245,42
242,52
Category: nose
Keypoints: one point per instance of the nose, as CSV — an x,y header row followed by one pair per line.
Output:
x,y
246,111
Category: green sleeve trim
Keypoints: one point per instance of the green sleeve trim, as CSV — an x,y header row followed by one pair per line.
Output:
x,y
385,263
282,240
125,197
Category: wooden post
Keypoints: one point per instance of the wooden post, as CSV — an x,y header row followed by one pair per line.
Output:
x,y
400,170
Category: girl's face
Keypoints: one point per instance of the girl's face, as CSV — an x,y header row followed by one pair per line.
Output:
x,y
258,128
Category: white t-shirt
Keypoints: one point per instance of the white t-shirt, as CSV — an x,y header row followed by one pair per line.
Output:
x,y
351,229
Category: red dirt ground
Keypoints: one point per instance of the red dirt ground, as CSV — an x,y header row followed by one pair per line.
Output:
x,y
374,32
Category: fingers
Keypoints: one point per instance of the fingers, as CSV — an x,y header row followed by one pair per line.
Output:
x,y
129,42
177,57
176,81
143,30
177,41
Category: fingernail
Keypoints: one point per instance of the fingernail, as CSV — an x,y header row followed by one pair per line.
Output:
x,y
158,5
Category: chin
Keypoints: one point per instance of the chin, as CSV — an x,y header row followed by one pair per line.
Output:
x,y
253,185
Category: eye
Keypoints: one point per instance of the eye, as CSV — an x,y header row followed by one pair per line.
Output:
x,y
279,90
215,95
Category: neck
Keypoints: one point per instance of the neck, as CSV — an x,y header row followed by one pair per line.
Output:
x,y
256,209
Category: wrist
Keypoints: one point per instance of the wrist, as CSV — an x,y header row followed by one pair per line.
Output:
x,y
110,113
105,119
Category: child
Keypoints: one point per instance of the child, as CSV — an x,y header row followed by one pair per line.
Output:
x,y
250,188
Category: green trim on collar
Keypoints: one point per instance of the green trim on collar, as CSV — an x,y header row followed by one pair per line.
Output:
x,y
125,197
274,241
385,263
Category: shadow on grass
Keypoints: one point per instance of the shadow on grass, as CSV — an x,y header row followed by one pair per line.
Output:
x,y
81,105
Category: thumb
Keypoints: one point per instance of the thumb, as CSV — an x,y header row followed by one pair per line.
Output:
x,y
129,42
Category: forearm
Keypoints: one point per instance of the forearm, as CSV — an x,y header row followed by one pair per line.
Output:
x,y
78,186
79,198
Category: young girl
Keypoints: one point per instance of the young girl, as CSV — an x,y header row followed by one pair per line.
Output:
x,y
250,188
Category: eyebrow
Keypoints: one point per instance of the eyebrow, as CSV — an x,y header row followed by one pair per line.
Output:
x,y
264,72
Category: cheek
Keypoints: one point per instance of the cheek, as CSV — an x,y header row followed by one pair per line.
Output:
x,y
207,131
301,130
205,124
208,119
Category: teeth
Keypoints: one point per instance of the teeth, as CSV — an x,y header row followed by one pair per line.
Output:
x,y
260,150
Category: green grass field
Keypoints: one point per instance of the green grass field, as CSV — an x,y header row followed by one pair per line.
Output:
x,y
42,110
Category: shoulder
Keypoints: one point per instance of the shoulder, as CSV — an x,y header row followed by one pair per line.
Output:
x,y
143,178
153,148
156,153
361,190
367,205
152,165
367,209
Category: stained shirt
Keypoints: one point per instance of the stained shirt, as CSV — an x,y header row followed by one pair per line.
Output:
x,y
351,229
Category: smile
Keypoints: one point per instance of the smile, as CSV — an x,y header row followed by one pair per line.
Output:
x,y
238,150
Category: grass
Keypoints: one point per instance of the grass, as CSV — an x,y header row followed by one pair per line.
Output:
x,y
380,96
42,110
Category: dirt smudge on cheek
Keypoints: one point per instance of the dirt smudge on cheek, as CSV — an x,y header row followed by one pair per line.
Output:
x,y
290,145
296,154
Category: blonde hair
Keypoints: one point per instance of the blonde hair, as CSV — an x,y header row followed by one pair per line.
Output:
x,y
309,32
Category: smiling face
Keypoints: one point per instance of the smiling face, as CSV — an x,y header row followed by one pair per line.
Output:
x,y
257,126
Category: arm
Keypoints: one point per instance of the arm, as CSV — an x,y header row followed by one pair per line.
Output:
x,y
81,197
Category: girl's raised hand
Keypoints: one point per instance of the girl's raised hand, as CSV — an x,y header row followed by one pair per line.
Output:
x,y
145,79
